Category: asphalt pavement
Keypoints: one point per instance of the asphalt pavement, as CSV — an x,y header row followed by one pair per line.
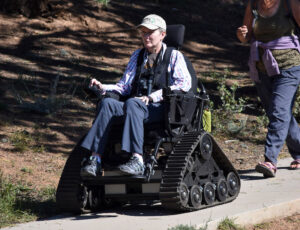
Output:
x,y
259,200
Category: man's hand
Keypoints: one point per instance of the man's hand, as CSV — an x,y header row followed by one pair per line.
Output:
x,y
96,83
145,99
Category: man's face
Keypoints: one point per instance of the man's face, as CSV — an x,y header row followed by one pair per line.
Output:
x,y
151,38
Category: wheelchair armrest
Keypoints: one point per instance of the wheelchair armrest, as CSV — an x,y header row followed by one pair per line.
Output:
x,y
167,93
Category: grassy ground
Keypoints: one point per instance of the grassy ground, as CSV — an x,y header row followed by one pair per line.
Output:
x,y
20,203
287,223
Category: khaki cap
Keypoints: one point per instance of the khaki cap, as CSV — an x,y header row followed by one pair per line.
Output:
x,y
153,22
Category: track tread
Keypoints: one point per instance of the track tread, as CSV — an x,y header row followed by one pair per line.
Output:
x,y
176,167
68,187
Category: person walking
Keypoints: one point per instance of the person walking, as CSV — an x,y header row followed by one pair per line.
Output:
x,y
274,65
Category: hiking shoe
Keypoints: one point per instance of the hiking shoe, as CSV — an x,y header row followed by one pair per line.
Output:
x,y
91,167
134,166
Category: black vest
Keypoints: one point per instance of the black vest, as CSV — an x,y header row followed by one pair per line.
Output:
x,y
149,80
160,74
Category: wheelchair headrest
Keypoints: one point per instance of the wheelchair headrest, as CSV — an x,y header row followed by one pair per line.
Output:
x,y
175,35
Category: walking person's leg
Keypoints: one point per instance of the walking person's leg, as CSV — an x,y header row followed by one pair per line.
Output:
x,y
281,121
264,91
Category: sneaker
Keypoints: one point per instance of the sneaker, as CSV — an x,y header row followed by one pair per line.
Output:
x,y
134,166
91,168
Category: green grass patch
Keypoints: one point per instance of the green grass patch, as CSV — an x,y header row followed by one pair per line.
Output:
x,y
23,141
261,226
103,2
19,203
228,224
26,170
39,149
187,227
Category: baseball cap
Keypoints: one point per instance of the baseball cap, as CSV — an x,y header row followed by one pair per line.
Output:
x,y
153,22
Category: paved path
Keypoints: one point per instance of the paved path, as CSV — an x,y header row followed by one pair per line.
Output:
x,y
259,200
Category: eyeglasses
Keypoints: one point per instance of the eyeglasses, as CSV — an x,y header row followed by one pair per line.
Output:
x,y
146,34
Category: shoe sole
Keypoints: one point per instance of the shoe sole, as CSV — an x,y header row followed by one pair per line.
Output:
x,y
131,173
85,174
265,171
297,167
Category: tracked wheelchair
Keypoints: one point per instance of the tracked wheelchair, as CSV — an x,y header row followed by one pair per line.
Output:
x,y
186,169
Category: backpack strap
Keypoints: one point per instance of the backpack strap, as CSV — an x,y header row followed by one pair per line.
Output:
x,y
253,4
289,8
138,72
140,62
165,63
289,11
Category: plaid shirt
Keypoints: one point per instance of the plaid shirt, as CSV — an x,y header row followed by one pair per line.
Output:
x,y
180,76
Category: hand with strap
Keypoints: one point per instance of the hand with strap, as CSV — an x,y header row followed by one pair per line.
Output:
x,y
95,82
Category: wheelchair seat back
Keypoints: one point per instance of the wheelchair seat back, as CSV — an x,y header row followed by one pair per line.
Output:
x,y
175,38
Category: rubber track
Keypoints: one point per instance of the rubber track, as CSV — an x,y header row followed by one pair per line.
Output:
x,y
175,169
68,187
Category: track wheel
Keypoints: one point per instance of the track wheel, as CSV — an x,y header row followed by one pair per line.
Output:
x,y
184,194
196,196
94,198
233,184
222,190
205,146
83,195
209,193
190,164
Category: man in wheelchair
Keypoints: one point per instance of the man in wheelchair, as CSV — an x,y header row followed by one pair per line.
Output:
x,y
160,109
148,72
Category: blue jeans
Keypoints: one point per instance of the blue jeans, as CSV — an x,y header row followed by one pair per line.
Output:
x,y
133,113
278,95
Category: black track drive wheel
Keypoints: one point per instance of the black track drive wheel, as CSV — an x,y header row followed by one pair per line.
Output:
x,y
222,190
184,194
95,198
83,195
233,184
209,193
196,196
206,146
